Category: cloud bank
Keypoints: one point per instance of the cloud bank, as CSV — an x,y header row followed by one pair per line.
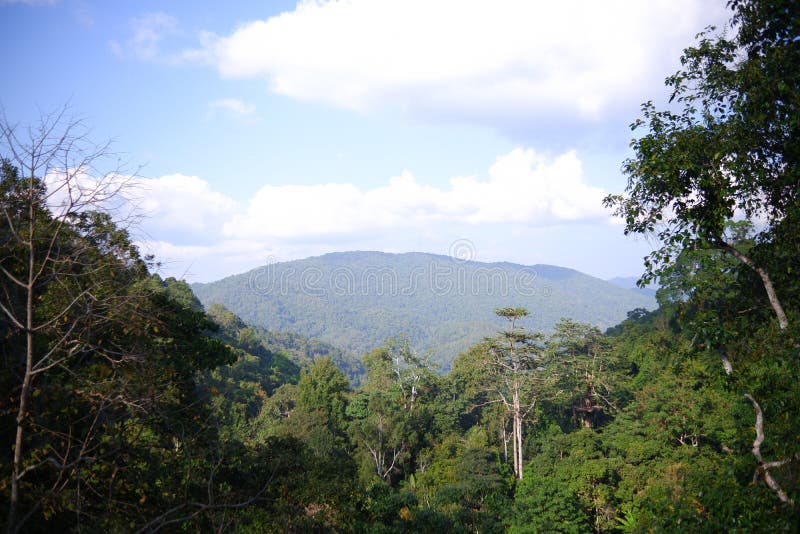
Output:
x,y
186,219
523,187
465,58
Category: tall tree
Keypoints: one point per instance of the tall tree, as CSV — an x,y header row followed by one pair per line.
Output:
x,y
579,360
510,360
382,411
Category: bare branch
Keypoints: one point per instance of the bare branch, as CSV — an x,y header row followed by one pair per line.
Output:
x,y
55,463
764,467
13,278
64,310
11,317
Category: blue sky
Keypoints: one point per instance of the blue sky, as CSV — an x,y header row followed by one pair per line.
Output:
x,y
270,131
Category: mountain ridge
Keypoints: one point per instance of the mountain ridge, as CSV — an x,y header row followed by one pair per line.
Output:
x,y
355,300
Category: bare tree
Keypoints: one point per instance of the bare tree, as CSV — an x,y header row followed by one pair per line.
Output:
x,y
56,191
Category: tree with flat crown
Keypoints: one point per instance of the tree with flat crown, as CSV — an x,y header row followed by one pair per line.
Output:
x,y
511,359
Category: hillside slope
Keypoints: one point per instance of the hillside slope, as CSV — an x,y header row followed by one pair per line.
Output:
x,y
284,353
356,300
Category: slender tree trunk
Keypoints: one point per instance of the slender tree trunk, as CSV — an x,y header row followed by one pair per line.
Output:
x,y
517,432
783,323
514,439
763,467
514,448
505,443
28,377
57,146
519,445
23,408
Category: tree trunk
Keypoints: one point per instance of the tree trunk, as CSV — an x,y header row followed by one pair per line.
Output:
x,y
16,473
23,408
505,443
764,467
57,148
517,432
519,445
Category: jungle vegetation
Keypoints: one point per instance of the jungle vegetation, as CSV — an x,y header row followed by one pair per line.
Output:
x,y
128,407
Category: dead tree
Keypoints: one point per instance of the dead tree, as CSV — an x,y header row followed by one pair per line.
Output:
x,y
53,179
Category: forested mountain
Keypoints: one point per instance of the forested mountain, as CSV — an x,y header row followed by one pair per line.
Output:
x,y
358,300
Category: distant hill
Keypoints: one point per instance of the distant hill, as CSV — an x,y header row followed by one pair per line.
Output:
x,y
356,300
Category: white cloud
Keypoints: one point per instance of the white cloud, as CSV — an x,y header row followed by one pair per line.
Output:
x,y
195,229
203,234
184,206
79,189
232,106
466,58
523,187
206,262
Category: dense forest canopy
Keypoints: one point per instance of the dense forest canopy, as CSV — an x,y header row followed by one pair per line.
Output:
x,y
130,408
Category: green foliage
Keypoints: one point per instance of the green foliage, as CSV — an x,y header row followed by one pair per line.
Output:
x,y
285,351
547,502
110,399
256,362
323,387
581,371
461,481
730,147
